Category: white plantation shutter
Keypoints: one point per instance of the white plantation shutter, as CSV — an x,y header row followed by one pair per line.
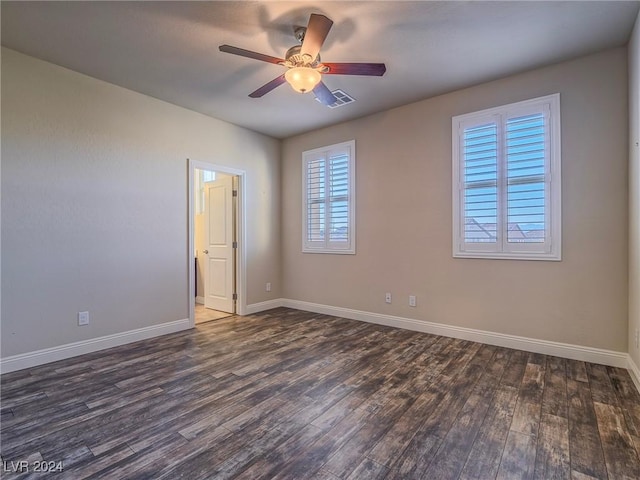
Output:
x,y
339,198
480,151
506,180
328,213
527,179
316,180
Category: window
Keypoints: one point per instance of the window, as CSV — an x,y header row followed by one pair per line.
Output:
x,y
328,219
202,176
506,181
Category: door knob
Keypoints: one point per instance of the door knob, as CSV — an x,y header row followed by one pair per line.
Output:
x,y
205,251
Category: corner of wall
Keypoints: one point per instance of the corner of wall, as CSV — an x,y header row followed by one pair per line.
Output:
x,y
634,198
634,372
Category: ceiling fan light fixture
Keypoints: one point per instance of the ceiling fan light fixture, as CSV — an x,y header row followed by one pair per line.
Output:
x,y
302,79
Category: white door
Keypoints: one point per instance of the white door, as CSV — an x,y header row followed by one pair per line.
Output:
x,y
218,238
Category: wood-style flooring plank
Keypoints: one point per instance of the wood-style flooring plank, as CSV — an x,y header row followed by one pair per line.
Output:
x,y
602,389
344,461
620,455
554,400
450,398
370,470
486,452
585,443
553,457
518,457
275,460
454,450
577,370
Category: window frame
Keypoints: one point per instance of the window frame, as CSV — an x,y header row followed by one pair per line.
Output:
x,y
551,248
327,246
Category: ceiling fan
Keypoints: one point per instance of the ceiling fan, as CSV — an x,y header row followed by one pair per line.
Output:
x,y
304,67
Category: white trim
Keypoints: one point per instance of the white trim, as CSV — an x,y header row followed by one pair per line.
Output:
x,y
546,347
261,306
200,300
506,256
61,352
634,372
241,270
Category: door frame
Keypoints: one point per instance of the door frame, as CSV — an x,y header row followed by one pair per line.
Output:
x,y
240,273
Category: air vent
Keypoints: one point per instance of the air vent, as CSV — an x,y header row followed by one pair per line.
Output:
x,y
342,97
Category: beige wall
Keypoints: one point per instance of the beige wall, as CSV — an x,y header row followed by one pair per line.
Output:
x,y
404,216
94,205
634,190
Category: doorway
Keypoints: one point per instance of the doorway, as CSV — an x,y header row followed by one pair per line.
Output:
x,y
216,243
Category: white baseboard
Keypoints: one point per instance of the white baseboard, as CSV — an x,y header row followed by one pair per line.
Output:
x,y
200,300
546,347
262,306
48,355
634,372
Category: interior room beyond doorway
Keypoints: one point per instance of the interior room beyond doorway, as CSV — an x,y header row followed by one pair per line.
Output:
x,y
214,245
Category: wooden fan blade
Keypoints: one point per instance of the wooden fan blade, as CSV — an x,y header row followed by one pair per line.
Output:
x,y
371,69
267,87
249,54
323,94
317,31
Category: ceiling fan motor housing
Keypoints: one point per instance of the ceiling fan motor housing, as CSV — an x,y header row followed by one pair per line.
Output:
x,y
294,58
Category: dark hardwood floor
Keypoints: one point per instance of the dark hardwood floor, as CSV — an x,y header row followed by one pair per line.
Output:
x,y
288,394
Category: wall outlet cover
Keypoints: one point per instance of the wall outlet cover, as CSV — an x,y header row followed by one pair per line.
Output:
x,y
83,318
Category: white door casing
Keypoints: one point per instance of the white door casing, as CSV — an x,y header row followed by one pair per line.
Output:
x,y
219,253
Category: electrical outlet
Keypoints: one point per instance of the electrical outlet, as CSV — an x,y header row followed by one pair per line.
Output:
x,y
412,300
268,287
83,318
387,297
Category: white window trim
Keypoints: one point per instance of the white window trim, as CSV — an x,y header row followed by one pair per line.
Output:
x,y
326,246
552,177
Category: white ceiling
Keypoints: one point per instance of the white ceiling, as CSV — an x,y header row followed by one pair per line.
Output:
x,y
169,50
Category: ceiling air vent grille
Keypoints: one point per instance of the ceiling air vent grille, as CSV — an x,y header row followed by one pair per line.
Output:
x,y
343,98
